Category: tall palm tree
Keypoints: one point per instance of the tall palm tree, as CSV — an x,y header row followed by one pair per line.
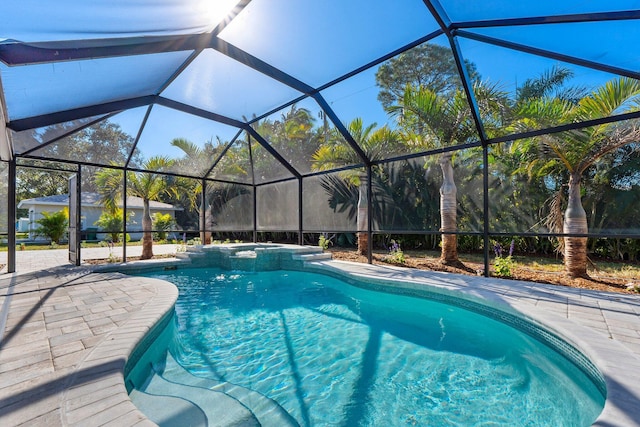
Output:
x,y
217,194
578,150
146,185
331,155
197,160
442,121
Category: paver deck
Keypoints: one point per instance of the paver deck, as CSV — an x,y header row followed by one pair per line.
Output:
x,y
69,330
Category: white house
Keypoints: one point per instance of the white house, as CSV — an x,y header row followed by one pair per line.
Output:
x,y
91,209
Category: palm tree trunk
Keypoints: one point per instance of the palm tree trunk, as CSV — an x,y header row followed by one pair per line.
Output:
x,y
205,236
363,218
575,222
448,206
147,238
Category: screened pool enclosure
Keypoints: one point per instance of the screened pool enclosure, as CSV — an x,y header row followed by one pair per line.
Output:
x,y
450,125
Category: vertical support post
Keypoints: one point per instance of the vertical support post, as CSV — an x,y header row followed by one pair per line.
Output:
x,y
124,213
203,213
300,213
485,207
369,216
75,217
255,213
79,219
255,192
11,217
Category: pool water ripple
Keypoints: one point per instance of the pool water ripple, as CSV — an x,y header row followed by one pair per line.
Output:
x,y
332,354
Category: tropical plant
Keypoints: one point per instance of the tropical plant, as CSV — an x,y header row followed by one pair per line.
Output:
x,y
333,154
442,121
53,225
146,185
161,224
324,242
503,265
112,223
396,255
575,152
198,160
217,194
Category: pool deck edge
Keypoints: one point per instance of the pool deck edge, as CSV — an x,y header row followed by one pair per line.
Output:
x,y
69,349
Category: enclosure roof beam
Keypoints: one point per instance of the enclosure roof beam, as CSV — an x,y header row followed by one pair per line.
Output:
x,y
566,127
342,129
553,19
263,142
64,135
13,52
43,120
189,109
259,65
221,155
549,54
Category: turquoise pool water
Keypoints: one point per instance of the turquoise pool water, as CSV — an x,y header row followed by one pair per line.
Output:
x,y
336,355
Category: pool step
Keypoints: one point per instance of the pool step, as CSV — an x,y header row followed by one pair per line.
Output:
x,y
212,407
312,257
190,255
169,411
267,411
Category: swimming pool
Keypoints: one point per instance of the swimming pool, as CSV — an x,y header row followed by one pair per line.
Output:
x,y
329,353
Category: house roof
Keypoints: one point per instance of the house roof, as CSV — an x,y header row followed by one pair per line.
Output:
x,y
92,200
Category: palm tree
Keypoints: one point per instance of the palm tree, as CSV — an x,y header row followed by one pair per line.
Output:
x,y
197,160
578,150
217,194
442,121
146,185
331,155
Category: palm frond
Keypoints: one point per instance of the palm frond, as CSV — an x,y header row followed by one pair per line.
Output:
x,y
544,85
554,221
615,96
342,195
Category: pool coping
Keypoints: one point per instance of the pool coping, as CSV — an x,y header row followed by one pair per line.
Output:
x,y
94,390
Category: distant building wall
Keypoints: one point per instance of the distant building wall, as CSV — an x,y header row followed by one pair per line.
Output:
x,y
22,225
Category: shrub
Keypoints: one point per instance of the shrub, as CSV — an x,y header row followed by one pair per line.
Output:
x,y
195,241
111,222
324,242
53,225
503,265
162,223
396,256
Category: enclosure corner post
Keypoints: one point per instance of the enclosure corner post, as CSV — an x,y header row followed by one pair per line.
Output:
x,y
369,217
255,214
485,208
124,219
203,213
11,217
300,213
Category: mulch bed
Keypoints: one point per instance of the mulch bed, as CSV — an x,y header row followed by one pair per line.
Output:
x,y
608,284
